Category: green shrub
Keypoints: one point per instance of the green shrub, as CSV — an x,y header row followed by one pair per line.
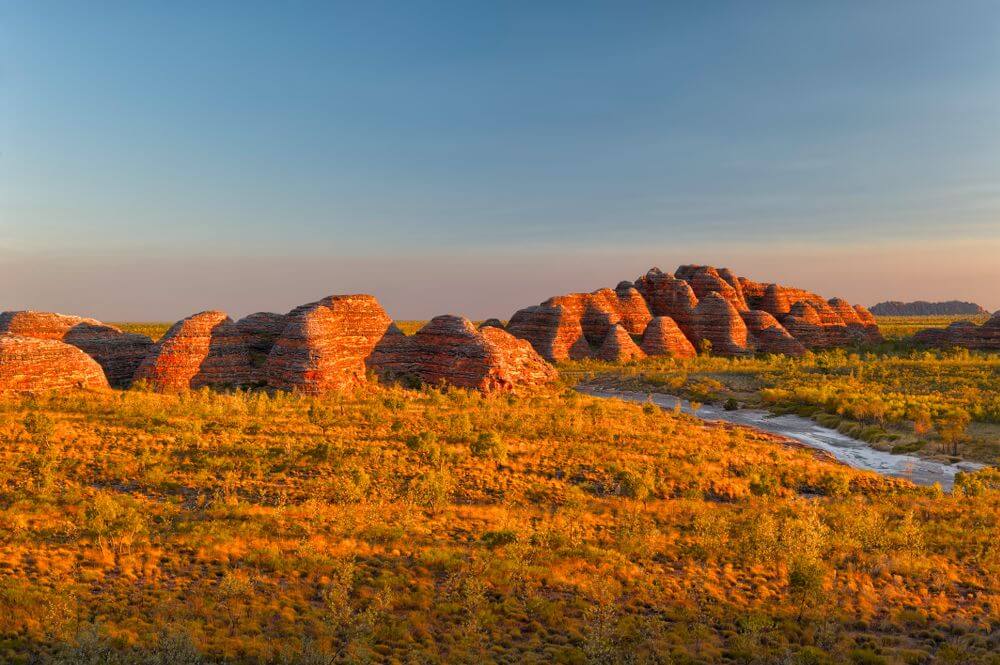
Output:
x,y
489,445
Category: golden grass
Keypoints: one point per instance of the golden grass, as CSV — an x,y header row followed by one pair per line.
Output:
x,y
427,526
901,327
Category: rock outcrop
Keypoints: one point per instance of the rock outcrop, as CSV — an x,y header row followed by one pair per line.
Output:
x,y
260,331
118,353
859,321
325,344
769,335
718,321
492,323
449,349
35,365
633,312
663,337
575,325
669,296
552,331
924,308
206,349
805,325
706,279
963,334
618,346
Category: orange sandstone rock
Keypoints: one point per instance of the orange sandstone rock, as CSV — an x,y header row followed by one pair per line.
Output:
x,y
260,331
706,279
34,365
325,344
206,349
805,325
118,353
449,349
633,312
669,296
771,336
663,337
718,321
554,332
618,346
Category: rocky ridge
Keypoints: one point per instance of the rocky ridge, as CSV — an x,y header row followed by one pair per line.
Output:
x,y
924,308
711,307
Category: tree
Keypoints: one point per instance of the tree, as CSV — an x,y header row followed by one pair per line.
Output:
x,y
951,427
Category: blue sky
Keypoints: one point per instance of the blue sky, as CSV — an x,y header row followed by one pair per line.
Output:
x,y
160,158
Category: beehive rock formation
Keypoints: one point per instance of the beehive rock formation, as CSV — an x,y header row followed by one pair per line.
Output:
x,y
805,325
575,325
860,323
662,337
718,321
669,296
260,331
618,346
449,349
870,325
492,323
552,331
706,279
963,334
33,365
118,353
769,335
206,349
325,344
633,312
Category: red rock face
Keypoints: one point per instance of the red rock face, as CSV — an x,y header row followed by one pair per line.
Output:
x,y
663,337
775,301
848,315
206,349
596,312
118,353
32,365
553,332
859,330
449,349
718,321
964,334
669,296
805,325
632,308
575,325
870,325
706,279
618,346
325,344
260,331
769,335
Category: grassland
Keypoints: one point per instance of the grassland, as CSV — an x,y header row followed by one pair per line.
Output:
x,y
942,404
901,327
429,526
442,526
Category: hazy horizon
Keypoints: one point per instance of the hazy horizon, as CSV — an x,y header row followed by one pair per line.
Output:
x,y
157,160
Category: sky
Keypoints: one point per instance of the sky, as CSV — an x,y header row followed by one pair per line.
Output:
x,y
162,158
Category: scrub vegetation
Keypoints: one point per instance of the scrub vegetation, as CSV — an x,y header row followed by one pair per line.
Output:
x,y
392,525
